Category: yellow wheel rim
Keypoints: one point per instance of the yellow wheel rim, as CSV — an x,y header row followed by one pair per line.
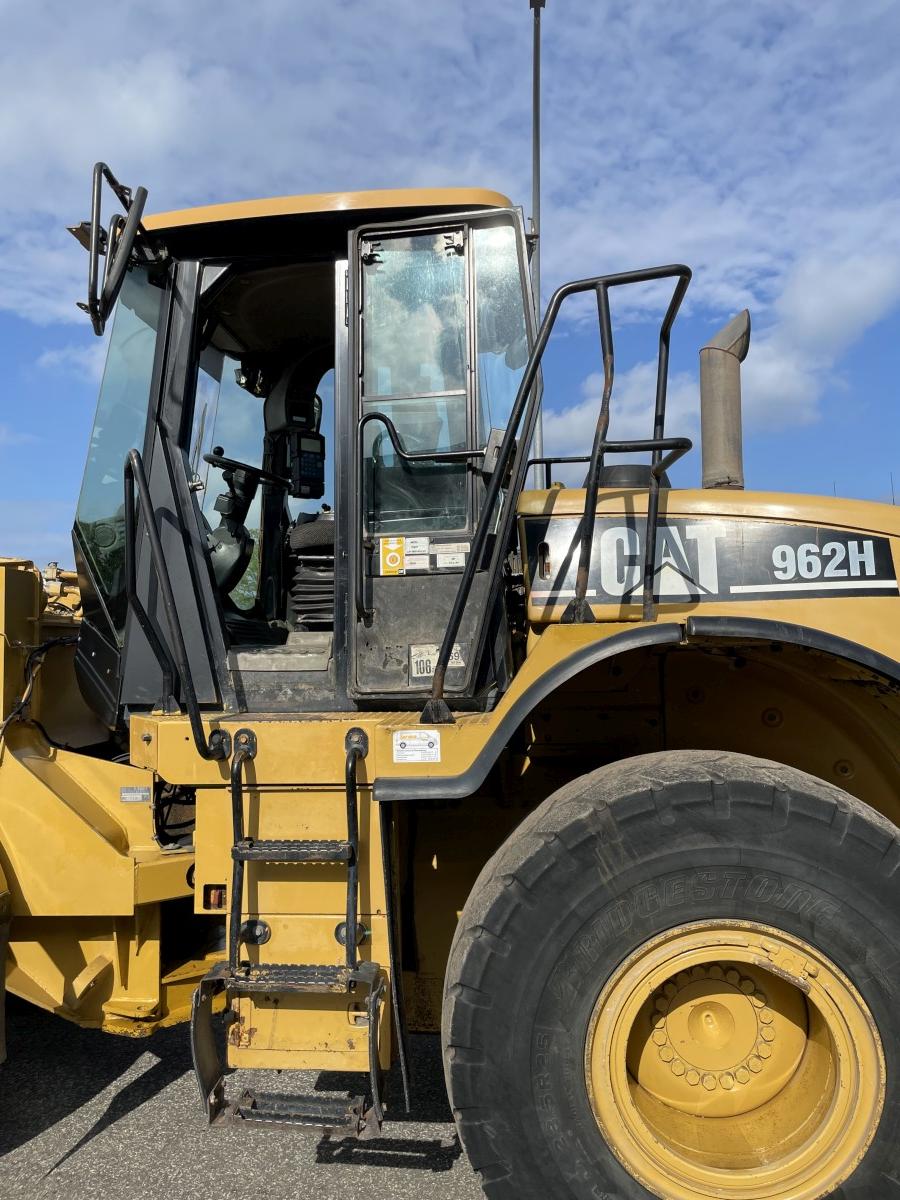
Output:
x,y
731,1060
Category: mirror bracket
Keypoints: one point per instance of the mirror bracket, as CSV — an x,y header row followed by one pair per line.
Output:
x,y
124,242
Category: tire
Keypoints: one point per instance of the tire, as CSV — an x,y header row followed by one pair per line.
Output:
x,y
615,858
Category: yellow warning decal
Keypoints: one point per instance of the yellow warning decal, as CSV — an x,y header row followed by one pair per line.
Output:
x,y
393,556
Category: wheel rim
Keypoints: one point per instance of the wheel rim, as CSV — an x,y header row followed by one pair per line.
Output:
x,y
733,1060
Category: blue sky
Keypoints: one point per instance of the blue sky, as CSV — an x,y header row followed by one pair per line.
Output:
x,y
758,143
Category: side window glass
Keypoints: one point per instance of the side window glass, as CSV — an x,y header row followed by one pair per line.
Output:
x,y
501,334
227,415
118,427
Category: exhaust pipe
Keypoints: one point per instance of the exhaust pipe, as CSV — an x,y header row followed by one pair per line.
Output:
x,y
720,404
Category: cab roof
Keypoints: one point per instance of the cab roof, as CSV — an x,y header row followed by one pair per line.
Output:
x,y
305,226
387,200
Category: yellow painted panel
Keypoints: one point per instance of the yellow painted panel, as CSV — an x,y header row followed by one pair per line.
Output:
x,y
280,206
283,887
89,970
163,877
307,1031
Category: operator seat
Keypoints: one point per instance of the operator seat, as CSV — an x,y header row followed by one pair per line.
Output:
x,y
311,544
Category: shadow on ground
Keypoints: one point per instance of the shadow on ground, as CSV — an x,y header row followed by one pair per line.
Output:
x,y
55,1068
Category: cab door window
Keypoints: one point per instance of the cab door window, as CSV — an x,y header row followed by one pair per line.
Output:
x,y
414,372
444,346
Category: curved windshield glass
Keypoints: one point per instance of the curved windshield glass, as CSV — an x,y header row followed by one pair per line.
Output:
x,y
118,427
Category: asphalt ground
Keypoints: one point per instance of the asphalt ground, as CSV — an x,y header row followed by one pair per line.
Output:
x,y
88,1116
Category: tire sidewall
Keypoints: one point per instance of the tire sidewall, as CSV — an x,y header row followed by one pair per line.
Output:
x,y
582,921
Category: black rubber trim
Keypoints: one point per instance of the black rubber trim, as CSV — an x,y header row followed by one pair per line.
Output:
x,y
457,787
735,629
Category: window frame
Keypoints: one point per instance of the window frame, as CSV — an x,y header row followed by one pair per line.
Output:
x,y
447,226
437,223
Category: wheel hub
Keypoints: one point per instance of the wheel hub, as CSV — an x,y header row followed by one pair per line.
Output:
x,y
712,1041
734,1061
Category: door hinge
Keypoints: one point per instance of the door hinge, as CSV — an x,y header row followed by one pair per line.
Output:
x,y
455,242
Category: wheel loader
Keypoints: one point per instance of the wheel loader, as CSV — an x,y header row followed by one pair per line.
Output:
x,y
357,720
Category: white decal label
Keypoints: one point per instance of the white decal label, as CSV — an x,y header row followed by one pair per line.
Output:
x,y
417,562
450,547
417,745
451,560
134,795
422,660
417,545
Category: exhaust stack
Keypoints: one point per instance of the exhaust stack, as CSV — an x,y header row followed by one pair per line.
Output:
x,y
720,404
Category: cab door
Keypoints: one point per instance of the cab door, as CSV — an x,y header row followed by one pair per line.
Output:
x,y
442,333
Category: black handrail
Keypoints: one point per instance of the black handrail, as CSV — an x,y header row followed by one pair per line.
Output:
x,y
218,746
436,710
244,751
677,446
357,747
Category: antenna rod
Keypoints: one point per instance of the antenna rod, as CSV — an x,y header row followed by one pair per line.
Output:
x,y
536,6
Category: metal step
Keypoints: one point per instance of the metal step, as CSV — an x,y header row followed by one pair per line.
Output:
x,y
258,850
310,1112
289,977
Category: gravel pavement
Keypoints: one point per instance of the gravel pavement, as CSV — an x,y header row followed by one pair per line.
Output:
x,y
88,1116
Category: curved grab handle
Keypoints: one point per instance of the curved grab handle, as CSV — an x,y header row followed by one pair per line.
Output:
x,y
439,456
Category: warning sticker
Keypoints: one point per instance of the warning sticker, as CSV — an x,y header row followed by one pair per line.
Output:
x,y
451,560
134,795
393,556
417,745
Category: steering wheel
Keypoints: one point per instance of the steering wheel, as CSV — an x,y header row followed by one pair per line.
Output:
x,y
218,459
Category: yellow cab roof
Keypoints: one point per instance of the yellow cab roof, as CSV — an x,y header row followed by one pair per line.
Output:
x,y
434,199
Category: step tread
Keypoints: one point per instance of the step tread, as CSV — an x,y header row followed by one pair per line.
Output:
x,y
290,977
312,1112
286,850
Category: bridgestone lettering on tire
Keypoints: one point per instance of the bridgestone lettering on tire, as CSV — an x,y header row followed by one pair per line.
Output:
x,y
625,855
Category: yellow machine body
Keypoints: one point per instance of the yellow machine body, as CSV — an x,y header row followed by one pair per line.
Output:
x,y
86,878
113,925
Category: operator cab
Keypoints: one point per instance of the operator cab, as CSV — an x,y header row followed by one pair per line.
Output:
x,y
261,439
313,394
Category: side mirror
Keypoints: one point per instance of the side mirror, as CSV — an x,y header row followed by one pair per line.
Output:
x,y
117,243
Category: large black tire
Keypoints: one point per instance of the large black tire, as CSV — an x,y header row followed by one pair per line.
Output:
x,y
774,845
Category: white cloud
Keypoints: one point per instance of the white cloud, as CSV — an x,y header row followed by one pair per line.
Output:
x,y
755,143
14,437
84,360
570,431
824,308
